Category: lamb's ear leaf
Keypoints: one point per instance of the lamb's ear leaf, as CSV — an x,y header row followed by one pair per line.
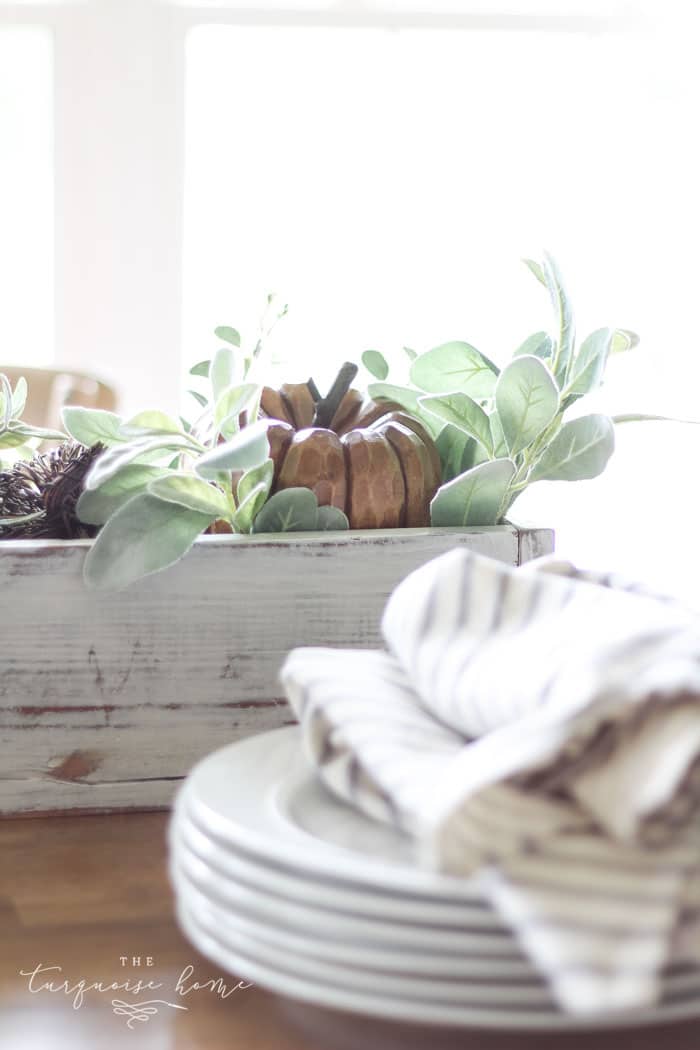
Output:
x,y
247,449
463,412
92,425
250,506
191,492
455,366
261,475
539,344
111,462
5,402
145,535
230,404
535,268
623,339
640,417
580,450
19,432
588,366
19,397
475,497
527,400
150,423
95,506
563,312
289,510
451,444
226,371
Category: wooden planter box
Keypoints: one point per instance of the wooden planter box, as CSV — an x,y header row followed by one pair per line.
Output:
x,y
107,699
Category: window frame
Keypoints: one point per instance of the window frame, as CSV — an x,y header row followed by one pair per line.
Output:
x,y
119,181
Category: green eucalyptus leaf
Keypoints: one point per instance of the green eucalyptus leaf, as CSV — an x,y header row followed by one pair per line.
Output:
x,y
589,364
249,448
410,354
564,318
451,443
228,334
289,510
95,506
255,477
537,345
536,269
201,369
375,363
461,411
92,425
475,497
191,492
527,401
623,339
454,366
19,398
250,507
109,463
580,450
145,535
331,519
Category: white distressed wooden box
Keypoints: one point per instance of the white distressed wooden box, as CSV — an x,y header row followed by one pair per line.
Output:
x,y
107,699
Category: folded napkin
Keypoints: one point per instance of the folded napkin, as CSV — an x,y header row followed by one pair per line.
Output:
x,y
539,727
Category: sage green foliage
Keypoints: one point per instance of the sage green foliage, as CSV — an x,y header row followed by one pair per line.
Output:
x,y
498,430
14,432
161,482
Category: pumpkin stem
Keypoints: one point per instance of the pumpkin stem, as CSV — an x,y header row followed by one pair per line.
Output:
x,y
327,406
314,391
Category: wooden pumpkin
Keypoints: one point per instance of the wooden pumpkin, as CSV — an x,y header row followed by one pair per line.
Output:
x,y
369,458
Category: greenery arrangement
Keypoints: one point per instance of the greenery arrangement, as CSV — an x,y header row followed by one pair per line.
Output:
x,y
150,485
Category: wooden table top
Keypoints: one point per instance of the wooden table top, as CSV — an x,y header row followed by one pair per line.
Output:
x,y
89,894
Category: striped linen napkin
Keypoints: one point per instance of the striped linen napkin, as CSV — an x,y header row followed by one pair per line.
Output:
x,y
540,727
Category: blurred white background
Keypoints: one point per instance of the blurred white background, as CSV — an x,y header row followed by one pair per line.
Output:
x,y
382,166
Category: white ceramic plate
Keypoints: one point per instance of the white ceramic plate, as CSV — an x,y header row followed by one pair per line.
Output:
x,y
259,795
334,895
251,901
455,991
277,975
290,940
519,980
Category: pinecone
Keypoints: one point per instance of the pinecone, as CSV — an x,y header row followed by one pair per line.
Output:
x,y
49,484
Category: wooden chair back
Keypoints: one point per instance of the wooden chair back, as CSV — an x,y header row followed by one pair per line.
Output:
x,y
52,388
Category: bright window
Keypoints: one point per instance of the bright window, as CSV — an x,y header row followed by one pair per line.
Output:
x,y
386,183
26,196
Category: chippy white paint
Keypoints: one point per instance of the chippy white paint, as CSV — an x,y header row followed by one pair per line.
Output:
x,y
107,699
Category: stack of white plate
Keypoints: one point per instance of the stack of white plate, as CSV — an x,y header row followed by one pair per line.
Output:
x,y
281,884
